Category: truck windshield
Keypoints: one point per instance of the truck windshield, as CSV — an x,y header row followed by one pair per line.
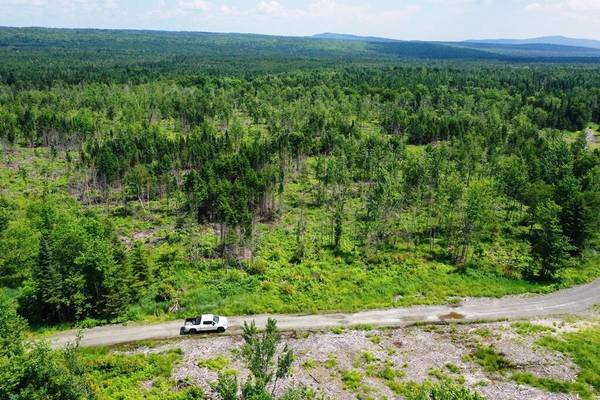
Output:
x,y
216,319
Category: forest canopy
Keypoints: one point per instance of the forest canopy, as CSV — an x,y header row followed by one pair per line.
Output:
x,y
168,173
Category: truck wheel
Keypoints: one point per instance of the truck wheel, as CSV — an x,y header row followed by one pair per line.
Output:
x,y
193,331
220,329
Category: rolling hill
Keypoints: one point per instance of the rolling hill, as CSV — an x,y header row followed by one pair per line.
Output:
x,y
555,40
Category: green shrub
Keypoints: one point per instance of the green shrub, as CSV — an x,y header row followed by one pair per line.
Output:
x,y
448,391
438,373
214,364
88,323
367,357
433,391
584,348
453,368
485,333
489,359
553,385
375,339
352,379
331,362
527,328
258,267
362,327
309,364
120,376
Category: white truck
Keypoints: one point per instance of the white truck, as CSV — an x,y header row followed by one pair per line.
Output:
x,y
204,323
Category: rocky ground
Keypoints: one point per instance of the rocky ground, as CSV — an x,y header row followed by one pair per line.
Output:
x,y
420,353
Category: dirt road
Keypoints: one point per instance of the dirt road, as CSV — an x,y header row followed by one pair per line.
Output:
x,y
567,301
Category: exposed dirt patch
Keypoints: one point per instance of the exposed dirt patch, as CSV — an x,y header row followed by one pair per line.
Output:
x,y
453,316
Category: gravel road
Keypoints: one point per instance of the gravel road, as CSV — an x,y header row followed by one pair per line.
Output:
x,y
567,301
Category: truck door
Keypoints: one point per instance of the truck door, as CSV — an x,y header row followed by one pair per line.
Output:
x,y
207,325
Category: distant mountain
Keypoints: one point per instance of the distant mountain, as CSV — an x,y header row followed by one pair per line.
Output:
x,y
556,40
532,49
266,52
551,47
356,38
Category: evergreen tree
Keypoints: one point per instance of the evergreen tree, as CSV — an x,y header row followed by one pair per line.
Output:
x,y
259,351
140,269
550,247
35,372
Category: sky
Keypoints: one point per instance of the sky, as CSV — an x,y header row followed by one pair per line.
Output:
x,y
399,19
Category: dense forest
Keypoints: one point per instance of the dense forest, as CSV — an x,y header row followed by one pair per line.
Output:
x,y
142,186
478,167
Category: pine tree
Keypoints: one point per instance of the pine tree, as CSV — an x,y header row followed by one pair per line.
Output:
x,y
48,282
140,269
550,247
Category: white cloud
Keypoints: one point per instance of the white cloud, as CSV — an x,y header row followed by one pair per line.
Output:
x,y
583,5
565,6
81,4
34,3
333,9
572,15
229,10
195,5
270,7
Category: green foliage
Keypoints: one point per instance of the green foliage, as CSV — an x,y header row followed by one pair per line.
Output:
x,y
453,368
352,379
434,391
331,362
214,364
584,348
35,371
302,393
309,364
141,270
489,359
375,339
483,332
553,385
549,246
121,376
227,386
80,270
362,327
240,185
527,328
259,351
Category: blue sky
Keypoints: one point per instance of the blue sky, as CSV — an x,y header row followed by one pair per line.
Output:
x,y
401,19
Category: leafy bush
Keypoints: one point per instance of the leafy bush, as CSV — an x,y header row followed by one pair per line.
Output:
x,y
489,359
352,379
35,372
309,364
214,364
121,375
433,391
553,385
527,328
331,362
453,368
584,348
259,352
